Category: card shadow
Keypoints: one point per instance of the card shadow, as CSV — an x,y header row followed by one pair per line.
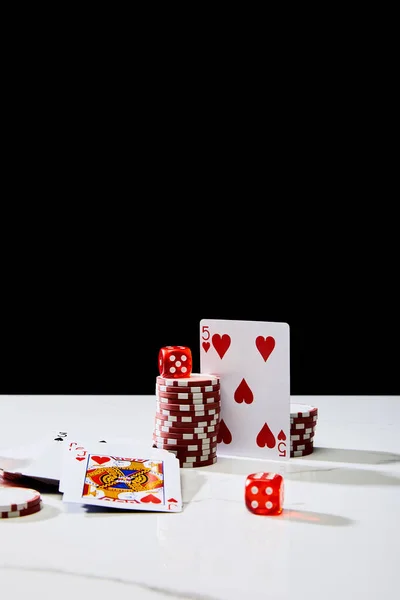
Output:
x,y
361,457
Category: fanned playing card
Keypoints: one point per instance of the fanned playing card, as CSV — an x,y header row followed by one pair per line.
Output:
x,y
124,477
253,361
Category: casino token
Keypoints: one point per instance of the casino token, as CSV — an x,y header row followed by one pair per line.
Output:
x,y
194,418
297,453
198,458
303,410
193,465
184,435
170,438
214,398
24,512
301,445
190,446
187,395
196,379
185,424
203,452
18,498
186,408
301,428
168,427
306,420
212,429
189,414
301,437
193,390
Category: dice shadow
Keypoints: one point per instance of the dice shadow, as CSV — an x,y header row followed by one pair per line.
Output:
x,y
315,518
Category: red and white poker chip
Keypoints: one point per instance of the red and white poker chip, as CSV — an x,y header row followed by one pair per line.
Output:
x,y
182,452
301,428
190,446
198,458
298,453
196,379
18,498
201,422
212,429
167,426
295,437
193,465
188,418
208,412
186,408
187,395
212,399
185,435
302,445
23,512
306,420
192,390
303,410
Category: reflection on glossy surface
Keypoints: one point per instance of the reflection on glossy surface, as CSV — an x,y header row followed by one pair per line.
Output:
x,y
337,536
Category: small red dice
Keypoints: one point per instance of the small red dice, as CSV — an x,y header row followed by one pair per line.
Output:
x,y
175,362
264,493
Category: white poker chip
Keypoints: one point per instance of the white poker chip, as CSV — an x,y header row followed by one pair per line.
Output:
x,y
18,498
303,410
196,379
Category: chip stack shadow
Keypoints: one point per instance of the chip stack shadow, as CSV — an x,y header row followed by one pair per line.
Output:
x,y
187,418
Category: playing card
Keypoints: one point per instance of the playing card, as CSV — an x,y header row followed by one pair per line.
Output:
x,y
252,359
41,460
124,477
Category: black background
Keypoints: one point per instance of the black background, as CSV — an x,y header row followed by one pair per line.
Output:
x,y
87,306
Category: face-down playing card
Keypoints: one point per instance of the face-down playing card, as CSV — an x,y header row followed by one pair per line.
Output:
x,y
122,480
252,360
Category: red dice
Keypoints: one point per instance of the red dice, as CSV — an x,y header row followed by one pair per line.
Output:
x,y
175,362
264,493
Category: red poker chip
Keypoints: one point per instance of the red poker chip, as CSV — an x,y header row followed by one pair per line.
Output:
x,y
188,418
196,379
182,452
301,445
208,398
187,395
303,411
298,453
301,437
192,390
185,424
13,498
189,438
185,434
190,445
196,458
302,428
186,408
194,465
213,429
24,512
167,427
308,422
180,414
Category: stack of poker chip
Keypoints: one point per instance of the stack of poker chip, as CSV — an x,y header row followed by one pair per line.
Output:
x,y
19,502
303,423
187,418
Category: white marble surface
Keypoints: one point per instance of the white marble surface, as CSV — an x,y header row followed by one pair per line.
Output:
x,y
337,538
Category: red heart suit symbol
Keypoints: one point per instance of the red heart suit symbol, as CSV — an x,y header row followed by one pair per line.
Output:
x,y
206,346
281,435
243,393
224,435
265,346
221,343
151,498
79,458
265,437
172,500
100,460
